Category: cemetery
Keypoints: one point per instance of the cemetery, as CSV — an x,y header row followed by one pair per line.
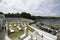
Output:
x,y
16,28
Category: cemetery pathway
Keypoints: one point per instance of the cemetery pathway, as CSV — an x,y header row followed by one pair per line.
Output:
x,y
7,38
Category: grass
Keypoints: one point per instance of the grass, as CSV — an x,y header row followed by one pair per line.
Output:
x,y
17,32
29,28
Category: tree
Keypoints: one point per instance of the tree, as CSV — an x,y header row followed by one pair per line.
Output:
x,y
1,12
25,15
33,17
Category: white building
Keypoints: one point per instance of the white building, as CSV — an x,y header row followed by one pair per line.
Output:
x,y
2,21
2,27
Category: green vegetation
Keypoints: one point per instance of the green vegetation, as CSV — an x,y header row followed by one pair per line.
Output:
x,y
17,32
20,15
1,12
27,15
29,28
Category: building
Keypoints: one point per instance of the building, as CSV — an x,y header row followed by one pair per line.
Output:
x,y
2,21
2,27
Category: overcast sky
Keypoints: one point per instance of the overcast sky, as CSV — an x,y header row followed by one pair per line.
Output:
x,y
35,7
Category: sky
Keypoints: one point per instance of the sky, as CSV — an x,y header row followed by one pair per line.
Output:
x,y
34,7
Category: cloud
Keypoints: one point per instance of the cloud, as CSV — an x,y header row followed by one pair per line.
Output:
x,y
35,7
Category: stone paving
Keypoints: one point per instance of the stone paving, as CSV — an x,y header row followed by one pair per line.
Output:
x,y
7,38
2,34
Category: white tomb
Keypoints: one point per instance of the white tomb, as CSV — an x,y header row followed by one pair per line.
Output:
x,y
14,24
19,28
10,25
11,30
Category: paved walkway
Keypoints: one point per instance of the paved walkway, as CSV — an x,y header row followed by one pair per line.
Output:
x,y
27,38
44,33
7,38
2,34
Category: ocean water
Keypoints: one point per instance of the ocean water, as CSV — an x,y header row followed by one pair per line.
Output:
x,y
50,21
